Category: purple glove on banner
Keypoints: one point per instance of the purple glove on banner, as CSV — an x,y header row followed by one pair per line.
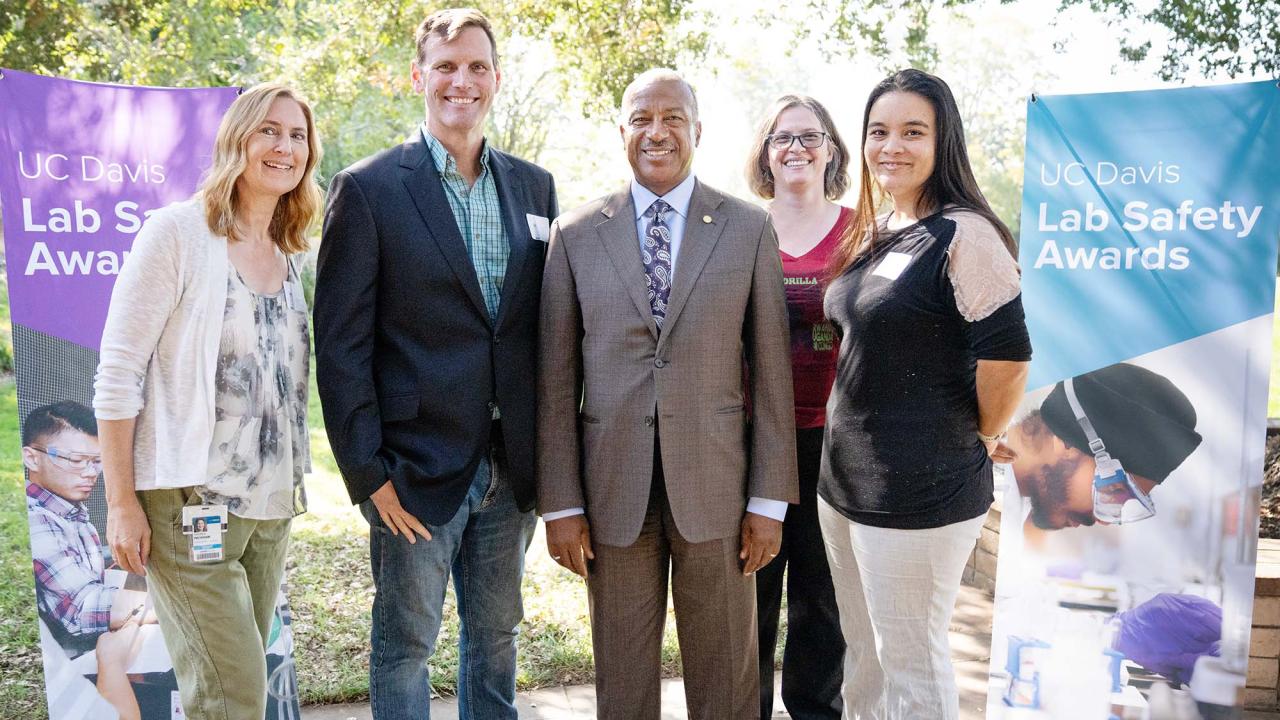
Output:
x,y
1168,632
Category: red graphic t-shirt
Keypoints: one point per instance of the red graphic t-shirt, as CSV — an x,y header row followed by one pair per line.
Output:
x,y
813,341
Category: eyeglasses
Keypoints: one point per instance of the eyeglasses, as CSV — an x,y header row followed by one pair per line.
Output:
x,y
1117,499
76,462
782,141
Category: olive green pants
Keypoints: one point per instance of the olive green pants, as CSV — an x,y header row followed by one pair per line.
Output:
x,y
215,616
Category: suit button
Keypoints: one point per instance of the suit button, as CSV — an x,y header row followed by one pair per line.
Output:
x,y
497,340
648,420
659,362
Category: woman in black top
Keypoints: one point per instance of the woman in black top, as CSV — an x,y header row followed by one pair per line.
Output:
x,y
932,364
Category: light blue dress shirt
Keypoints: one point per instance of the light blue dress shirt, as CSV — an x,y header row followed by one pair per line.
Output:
x,y
678,198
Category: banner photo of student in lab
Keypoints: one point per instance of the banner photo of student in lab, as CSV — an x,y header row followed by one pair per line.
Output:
x,y
1130,514
81,166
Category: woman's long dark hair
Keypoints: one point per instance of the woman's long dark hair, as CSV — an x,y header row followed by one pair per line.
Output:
x,y
951,183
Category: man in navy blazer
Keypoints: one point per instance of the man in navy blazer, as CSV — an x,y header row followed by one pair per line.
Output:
x,y
426,314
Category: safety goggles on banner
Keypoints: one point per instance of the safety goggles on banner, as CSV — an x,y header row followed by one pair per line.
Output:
x,y
70,461
1117,499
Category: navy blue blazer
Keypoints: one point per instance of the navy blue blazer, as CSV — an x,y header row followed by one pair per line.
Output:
x,y
408,362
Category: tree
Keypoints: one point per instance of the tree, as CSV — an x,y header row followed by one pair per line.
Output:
x,y
894,32
1229,38
995,62
1221,37
601,45
34,34
351,57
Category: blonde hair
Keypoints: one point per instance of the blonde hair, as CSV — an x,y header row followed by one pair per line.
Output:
x,y
835,178
297,209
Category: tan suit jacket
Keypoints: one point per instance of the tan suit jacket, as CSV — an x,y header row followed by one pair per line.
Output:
x,y
607,377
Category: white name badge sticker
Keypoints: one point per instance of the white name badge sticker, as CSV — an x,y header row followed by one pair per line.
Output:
x,y
205,524
539,227
892,265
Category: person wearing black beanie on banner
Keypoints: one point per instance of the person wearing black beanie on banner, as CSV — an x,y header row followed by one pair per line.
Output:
x,y
1123,423
1093,452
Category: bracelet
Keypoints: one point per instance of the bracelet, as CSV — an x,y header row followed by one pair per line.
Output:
x,y
991,438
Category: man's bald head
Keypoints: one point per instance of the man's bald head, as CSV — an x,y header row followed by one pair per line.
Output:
x,y
653,77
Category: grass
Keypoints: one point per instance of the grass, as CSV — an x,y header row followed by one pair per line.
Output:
x,y
330,590
21,680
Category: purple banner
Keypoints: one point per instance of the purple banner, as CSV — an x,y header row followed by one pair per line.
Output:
x,y
81,166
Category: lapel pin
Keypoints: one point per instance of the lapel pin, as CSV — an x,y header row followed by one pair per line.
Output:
x,y
706,218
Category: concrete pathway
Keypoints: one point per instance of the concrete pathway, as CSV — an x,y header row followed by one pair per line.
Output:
x,y
572,702
970,651
970,640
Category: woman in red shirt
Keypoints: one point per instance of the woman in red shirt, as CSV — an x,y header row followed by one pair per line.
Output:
x,y
801,165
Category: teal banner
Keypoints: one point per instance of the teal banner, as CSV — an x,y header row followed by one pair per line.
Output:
x,y
1152,212
1129,517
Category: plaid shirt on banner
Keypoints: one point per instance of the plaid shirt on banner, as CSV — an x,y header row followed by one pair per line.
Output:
x,y
67,556
479,216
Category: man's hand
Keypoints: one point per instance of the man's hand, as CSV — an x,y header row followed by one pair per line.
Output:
x,y
398,520
569,542
129,534
761,540
999,452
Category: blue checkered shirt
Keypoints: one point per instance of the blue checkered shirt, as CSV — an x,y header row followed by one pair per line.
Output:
x,y
479,216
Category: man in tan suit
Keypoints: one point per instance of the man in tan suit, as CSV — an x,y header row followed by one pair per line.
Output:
x,y
665,425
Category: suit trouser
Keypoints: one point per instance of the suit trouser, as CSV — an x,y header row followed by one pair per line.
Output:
x,y
813,659
897,590
715,620
215,616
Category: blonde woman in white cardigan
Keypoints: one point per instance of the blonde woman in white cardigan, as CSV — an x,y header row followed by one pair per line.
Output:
x,y
201,400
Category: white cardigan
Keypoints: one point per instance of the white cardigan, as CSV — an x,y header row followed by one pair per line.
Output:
x,y
160,346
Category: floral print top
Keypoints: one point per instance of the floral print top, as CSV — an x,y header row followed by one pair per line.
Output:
x,y
260,445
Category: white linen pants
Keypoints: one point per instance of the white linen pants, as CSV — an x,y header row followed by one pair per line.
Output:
x,y
896,590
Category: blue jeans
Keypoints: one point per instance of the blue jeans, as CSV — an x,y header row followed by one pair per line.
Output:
x,y
483,546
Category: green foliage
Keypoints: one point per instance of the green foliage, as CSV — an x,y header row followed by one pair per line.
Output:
x,y
602,45
6,357
351,57
1273,400
1218,37
991,68
894,32
35,34
6,328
